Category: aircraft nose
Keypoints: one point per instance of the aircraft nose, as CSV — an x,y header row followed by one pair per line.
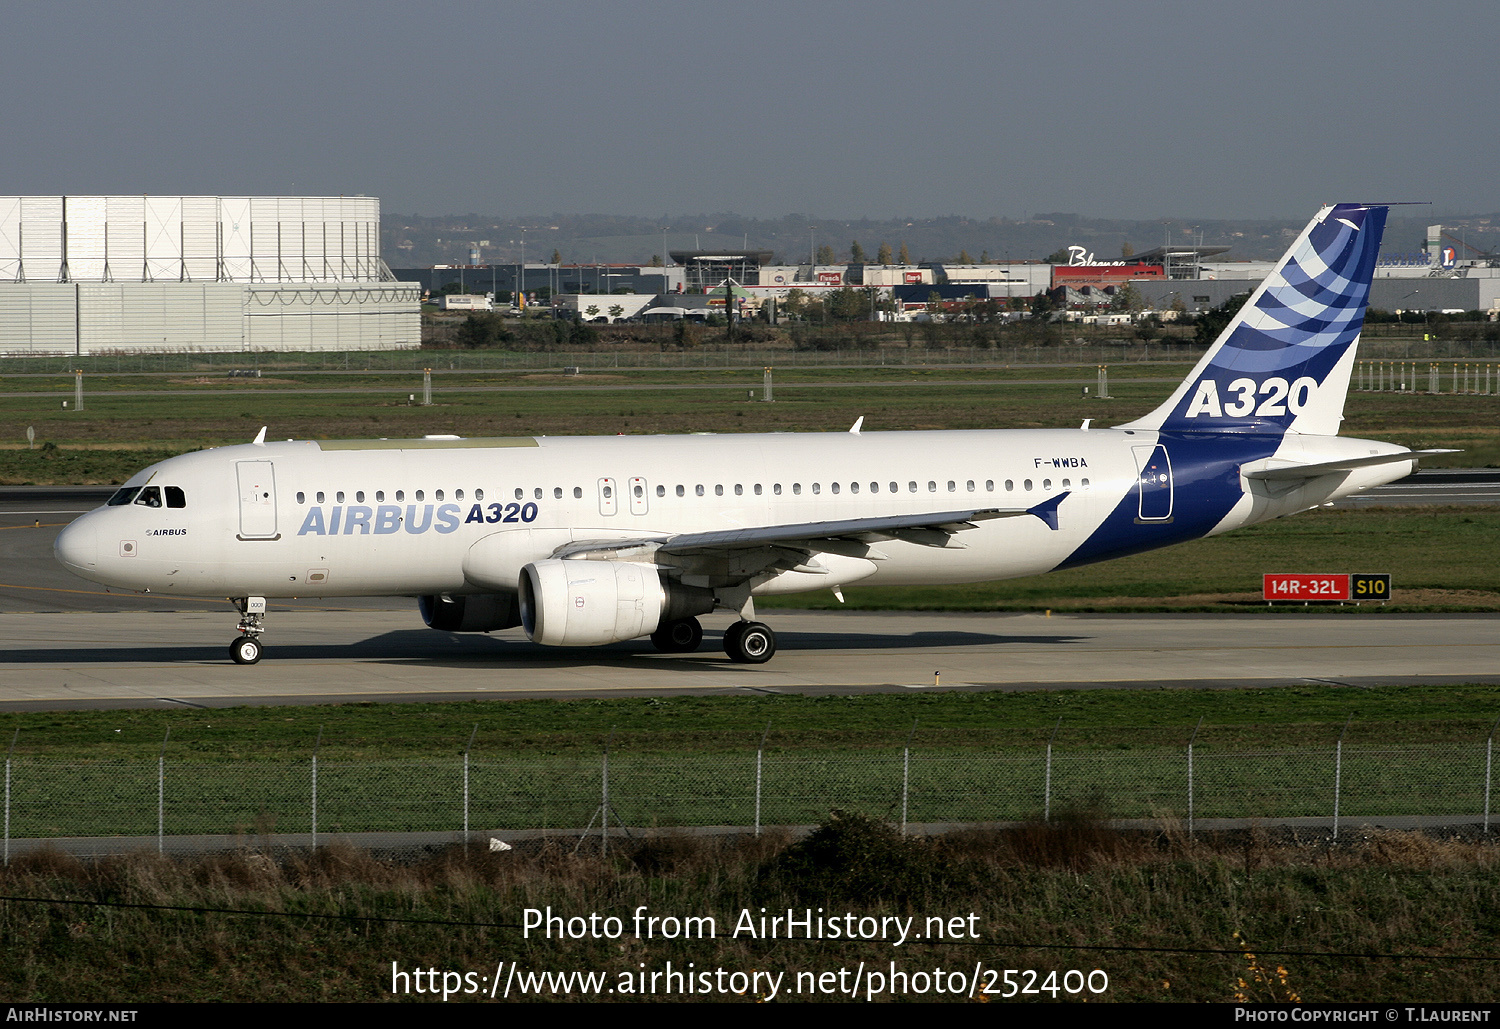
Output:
x,y
77,546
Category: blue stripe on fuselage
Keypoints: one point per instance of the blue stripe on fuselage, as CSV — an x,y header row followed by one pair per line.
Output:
x,y
1206,485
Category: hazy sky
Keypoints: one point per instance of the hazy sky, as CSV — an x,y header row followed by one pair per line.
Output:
x,y
840,110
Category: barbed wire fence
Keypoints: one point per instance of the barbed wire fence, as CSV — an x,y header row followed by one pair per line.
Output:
x,y
1196,776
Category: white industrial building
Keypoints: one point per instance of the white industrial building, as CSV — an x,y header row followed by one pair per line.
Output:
x,y
84,274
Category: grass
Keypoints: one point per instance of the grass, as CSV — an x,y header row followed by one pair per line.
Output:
x,y
1165,917
691,761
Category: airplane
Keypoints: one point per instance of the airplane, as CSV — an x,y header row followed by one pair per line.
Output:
x,y
597,540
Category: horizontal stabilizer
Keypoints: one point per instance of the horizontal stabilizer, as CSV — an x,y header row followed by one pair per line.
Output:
x,y
1312,471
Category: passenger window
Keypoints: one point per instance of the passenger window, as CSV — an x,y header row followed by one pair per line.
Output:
x,y
536,494
931,486
640,491
1010,485
911,487
301,497
739,490
817,487
661,491
1084,483
320,496
952,485
175,496
718,491
1046,484
478,495
1027,485
400,495
609,491
797,489
380,496
126,494
681,492
438,495
970,485
520,493
989,485
776,489
1065,484
556,492
458,494
340,496
757,489
150,497
419,495
854,487
698,489
834,487
577,493
359,496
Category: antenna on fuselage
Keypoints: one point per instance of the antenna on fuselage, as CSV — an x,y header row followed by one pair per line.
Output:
x,y
260,437
857,423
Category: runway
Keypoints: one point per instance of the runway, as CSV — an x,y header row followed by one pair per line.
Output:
x,y
69,643
158,659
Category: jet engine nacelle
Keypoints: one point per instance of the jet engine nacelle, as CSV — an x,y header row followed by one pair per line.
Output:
x,y
478,612
587,603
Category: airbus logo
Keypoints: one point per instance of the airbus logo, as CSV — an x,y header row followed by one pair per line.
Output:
x,y
386,519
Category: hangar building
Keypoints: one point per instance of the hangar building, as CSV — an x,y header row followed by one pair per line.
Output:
x,y
83,274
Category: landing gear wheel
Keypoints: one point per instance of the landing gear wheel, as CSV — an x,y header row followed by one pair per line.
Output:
x,y
245,650
751,643
679,637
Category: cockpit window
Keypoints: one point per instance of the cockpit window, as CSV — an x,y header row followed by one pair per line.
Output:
x,y
123,495
175,496
150,496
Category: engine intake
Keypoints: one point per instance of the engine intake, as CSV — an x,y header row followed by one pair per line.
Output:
x,y
477,612
589,603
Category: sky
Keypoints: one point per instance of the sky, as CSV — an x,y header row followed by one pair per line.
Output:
x,y
1130,109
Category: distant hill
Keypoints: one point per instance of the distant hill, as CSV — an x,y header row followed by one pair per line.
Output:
x,y
418,241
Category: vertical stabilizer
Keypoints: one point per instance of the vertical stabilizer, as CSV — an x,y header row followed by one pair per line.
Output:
x,y
1283,363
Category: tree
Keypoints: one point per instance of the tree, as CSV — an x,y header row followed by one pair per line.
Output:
x,y
904,258
1042,305
964,258
848,305
883,255
857,253
1058,256
795,304
556,257
656,260
1127,299
592,311
825,255
616,311
1126,250
1213,322
984,257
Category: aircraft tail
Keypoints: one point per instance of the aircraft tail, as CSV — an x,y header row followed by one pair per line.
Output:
x,y
1283,363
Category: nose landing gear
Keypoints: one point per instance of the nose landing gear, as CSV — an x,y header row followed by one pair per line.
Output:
x,y
246,649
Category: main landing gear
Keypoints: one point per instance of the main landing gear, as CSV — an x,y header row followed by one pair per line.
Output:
x,y
681,636
750,643
246,649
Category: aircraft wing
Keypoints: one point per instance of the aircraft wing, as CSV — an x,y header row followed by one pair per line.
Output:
x,y
1312,471
932,529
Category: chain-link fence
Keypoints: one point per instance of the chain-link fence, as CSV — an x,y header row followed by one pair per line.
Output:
x,y
1324,773
1481,378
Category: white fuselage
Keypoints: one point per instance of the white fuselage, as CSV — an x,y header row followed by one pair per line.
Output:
x,y
403,517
